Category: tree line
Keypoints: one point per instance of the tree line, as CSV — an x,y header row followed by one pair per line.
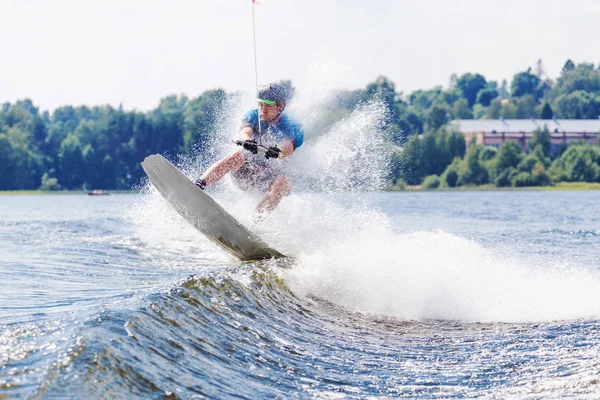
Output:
x,y
98,147
102,147
439,157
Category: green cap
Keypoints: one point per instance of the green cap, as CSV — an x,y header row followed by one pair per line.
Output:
x,y
270,102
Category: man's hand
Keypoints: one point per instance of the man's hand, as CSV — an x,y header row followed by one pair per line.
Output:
x,y
250,145
273,152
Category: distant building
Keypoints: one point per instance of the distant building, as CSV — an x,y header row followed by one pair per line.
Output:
x,y
494,132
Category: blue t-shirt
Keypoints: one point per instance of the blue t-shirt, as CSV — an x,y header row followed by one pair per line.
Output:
x,y
282,129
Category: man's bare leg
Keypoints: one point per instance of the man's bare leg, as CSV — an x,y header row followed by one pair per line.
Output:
x,y
279,188
218,170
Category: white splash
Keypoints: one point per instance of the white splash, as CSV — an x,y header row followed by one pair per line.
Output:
x,y
368,268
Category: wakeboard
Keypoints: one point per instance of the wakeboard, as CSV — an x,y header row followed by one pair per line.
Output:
x,y
200,210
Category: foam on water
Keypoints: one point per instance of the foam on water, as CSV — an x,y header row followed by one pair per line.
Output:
x,y
437,275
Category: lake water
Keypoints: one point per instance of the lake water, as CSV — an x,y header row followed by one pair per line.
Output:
x,y
419,295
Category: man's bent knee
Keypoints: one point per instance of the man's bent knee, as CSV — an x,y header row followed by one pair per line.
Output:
x,y
235,161
232,162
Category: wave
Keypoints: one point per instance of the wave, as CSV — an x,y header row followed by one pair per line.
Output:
x,y
244,332
215,335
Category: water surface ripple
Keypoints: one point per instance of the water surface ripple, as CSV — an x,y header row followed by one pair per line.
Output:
x,y
418,295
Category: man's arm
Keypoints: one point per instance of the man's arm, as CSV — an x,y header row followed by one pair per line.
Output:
x,y
287,148
246,133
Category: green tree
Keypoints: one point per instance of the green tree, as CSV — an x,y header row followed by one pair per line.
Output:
x,y
522,179
49,183
71,164
547,112
579,163
503,90
500,108
26,162
429,154
437,116
509,155
578,105
479,111
422,100
569,66
431,182
540,176
456,145
487,153
94,172
168,125
526,107
506,177
7,166
25,116
526,83
485,96
528,163
408,162
110,177
28,169
470,85
474,172
584,77
461,110
451,175
542,138
410,124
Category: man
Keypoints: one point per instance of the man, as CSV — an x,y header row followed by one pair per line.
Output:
x,y
251,169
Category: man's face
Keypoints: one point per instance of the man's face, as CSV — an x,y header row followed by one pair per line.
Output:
x,y
268,112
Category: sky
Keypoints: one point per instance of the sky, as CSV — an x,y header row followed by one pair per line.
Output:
x,y
135,52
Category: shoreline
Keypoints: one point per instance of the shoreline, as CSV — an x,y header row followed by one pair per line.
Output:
x,y
561,186
69,192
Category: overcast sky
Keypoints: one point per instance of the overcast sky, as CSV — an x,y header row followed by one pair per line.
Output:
x,y
133,52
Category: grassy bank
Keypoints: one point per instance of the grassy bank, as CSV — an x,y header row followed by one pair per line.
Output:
x,y
21,192
573,186
45,192
560,186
